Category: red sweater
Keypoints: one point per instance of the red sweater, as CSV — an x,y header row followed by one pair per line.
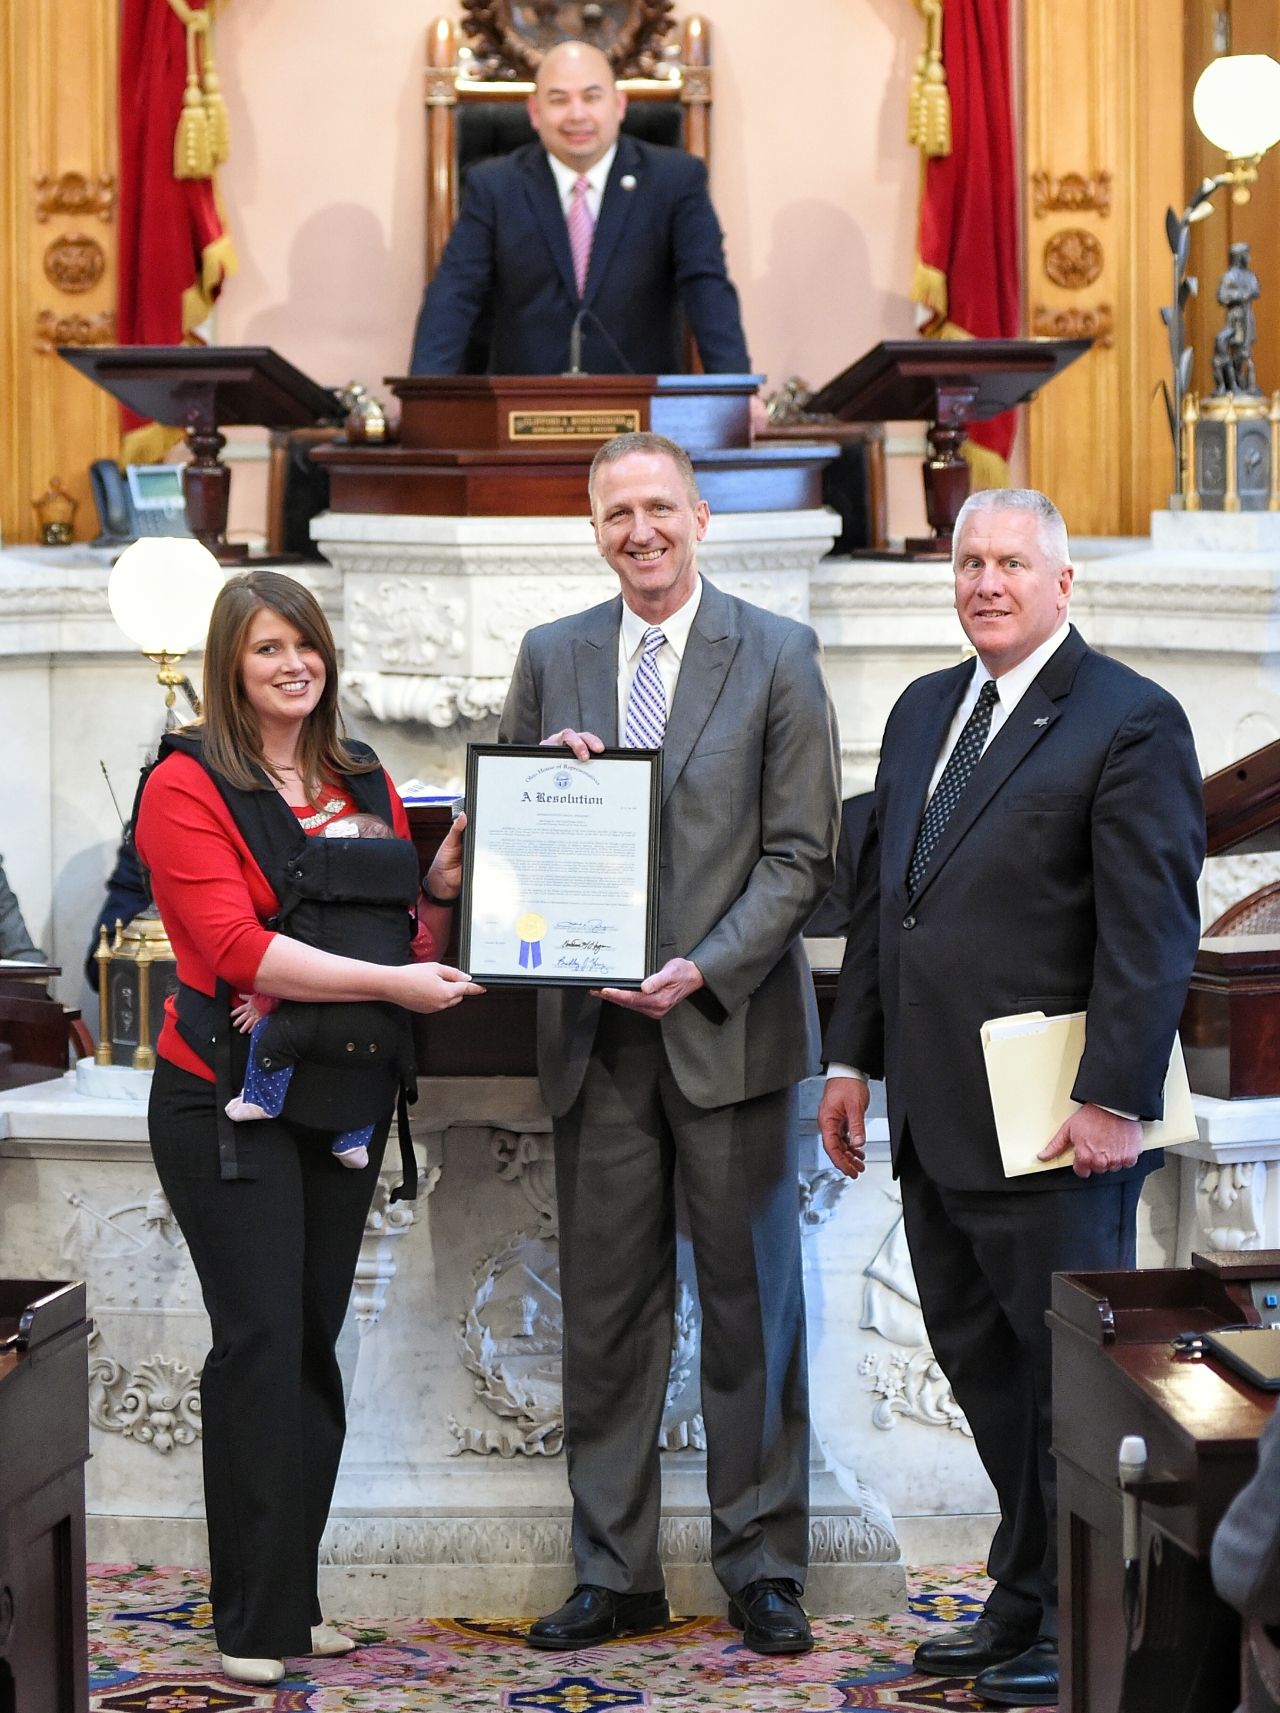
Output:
x,y
212,896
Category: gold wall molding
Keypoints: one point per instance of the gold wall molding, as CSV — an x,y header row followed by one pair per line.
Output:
x,y
74,262
1073,258
1073,193
58,172
1103,85
1070,322
53,330
75,193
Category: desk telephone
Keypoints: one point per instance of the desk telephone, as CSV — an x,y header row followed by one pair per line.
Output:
x,y
144,499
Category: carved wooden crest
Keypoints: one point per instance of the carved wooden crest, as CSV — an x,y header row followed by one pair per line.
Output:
x,y
509,37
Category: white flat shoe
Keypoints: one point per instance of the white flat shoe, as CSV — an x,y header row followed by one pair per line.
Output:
x,y
253,1670
327,1643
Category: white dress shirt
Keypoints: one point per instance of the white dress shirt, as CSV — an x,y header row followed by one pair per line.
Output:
x,y
596,176
676,629
1011,687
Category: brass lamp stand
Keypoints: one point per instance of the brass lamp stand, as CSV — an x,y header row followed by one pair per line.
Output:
x,y
143,943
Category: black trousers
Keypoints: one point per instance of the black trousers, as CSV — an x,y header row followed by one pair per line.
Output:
x,y
276,1258
616,1153
983,1263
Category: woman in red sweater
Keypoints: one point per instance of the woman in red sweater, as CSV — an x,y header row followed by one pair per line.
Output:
x,y
274,1234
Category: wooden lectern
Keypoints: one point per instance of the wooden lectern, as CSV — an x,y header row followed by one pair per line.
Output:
x,y
521,445
1117,1372
203,388
947,383
1231,1022
44,1445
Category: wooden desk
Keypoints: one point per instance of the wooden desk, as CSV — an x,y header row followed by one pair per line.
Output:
x,y
44,1444
1115,1373
39,1038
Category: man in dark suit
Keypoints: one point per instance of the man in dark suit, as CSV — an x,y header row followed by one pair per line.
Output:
x,y
698,1068
583,223
1036,843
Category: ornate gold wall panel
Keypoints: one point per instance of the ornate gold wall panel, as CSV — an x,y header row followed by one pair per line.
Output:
x,y
1103,158
57,248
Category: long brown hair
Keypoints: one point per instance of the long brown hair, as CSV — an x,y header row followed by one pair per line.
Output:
x,y
229,727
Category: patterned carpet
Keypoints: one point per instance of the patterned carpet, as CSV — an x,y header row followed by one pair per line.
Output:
x,y
152,1650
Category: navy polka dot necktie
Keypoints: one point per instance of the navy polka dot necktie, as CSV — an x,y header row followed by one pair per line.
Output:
x,y
955,776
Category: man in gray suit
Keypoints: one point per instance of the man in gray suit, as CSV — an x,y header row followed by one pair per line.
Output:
x,y
697,1069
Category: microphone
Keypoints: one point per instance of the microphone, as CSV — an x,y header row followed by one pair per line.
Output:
x,y
575,343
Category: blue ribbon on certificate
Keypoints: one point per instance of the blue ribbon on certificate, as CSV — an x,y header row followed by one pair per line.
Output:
x,y
531,927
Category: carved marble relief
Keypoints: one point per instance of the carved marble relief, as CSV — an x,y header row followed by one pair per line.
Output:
x,y
406,622
136,1263
1231,1204
906,1379
512,1330
157,1405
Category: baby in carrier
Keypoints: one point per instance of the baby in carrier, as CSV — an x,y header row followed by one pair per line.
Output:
x,y
276,1027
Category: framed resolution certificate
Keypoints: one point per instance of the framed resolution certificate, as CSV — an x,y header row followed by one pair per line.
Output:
x,y
560,875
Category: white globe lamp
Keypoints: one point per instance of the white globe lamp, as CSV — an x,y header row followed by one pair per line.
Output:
x,y
1236,104
161,592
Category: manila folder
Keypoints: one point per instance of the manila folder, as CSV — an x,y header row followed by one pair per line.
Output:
x,y
1032,1062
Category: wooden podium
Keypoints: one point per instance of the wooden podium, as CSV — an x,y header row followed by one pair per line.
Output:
x,y
1115,1372
44,1445
947,383
203,388
521,446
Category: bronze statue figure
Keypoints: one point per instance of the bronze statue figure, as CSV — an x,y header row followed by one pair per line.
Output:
x,y
1238,291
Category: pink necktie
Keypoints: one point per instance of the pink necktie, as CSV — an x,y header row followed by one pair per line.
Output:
x,y
582,229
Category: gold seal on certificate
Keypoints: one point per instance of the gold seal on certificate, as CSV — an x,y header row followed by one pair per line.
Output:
x,y
560,880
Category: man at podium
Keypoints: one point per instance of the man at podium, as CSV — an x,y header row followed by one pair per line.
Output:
x,y
583,227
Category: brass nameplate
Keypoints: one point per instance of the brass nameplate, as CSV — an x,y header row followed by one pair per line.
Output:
x,y
571,424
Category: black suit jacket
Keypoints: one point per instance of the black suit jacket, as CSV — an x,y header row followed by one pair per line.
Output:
x,y
1065,879
507,264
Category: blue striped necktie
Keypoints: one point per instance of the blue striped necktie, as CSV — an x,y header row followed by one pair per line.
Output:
x,y
647,703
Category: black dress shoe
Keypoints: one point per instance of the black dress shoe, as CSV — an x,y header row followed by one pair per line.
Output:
x,y
1030,1680
771,1618
966,1652
593,1614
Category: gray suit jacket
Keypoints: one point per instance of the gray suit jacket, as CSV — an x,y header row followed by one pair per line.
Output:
x,y
750,819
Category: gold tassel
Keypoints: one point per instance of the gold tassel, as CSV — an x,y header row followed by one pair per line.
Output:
x,y
215,107
202,140
191,156
915,103
935,123
929,103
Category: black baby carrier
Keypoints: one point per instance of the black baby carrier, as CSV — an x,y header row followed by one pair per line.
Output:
x,y
354,1063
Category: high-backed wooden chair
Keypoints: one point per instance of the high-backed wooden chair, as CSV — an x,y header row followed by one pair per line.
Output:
x,y
476,90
